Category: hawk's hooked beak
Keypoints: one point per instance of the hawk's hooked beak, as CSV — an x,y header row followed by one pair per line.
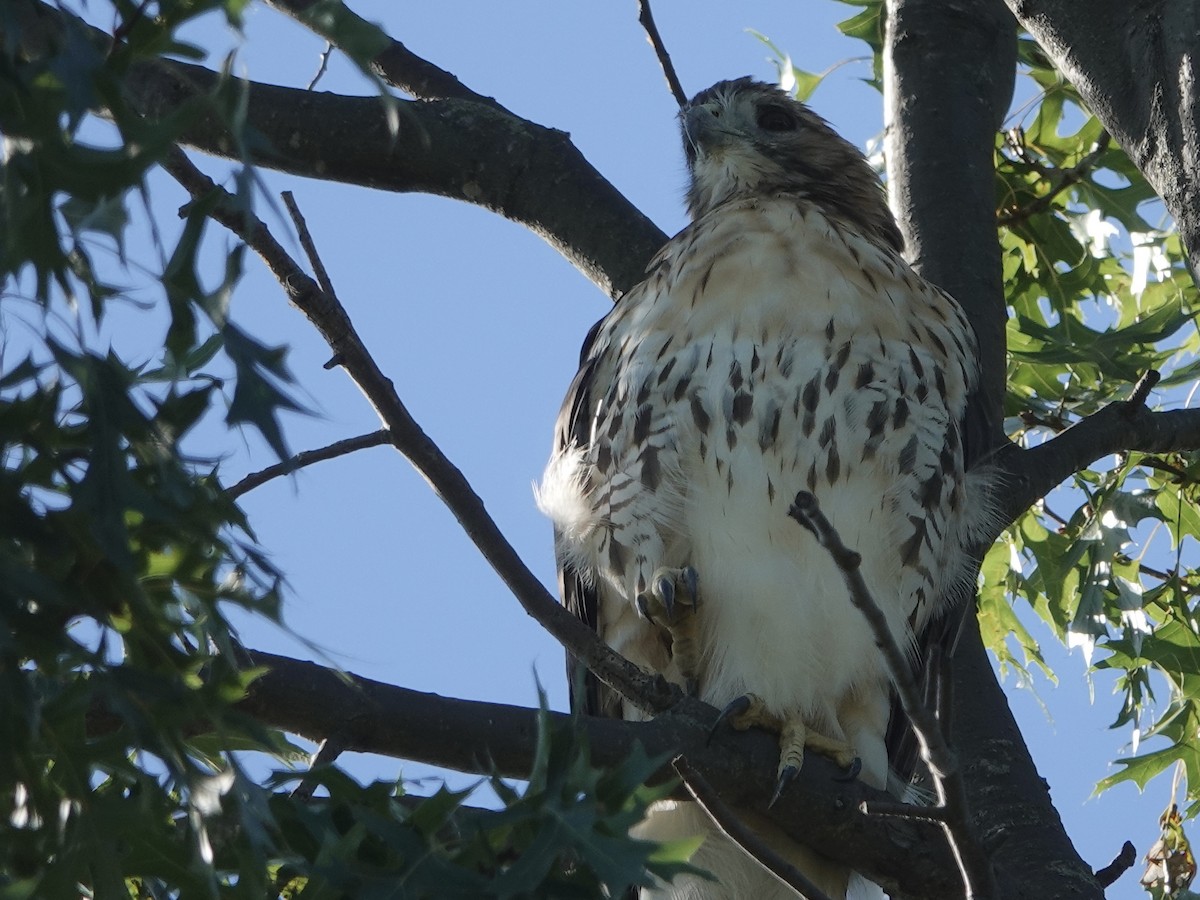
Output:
x,y
704,130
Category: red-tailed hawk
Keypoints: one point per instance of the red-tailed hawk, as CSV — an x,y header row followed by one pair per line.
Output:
x,y
779,343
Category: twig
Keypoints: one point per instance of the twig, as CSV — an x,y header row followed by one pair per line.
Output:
x,y
646,17
123,31
307,458
650,693
973,863
1121,863
1067,177
735,829
396,64
1141,390
306,241
321,69
807,512
331,748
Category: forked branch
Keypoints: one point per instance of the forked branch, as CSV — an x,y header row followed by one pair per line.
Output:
x,y
648,692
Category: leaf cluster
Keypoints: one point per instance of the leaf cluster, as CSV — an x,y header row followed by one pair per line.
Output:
x,y
1097,297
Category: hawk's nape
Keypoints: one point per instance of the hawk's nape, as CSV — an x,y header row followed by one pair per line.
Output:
x,y
779,343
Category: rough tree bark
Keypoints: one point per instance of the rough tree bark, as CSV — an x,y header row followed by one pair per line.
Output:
x,y
1135,64
949,69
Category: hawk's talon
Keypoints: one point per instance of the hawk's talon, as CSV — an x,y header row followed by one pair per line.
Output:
x,y
734,710
664,589
787,775
670,602
852,771
691,581
643,609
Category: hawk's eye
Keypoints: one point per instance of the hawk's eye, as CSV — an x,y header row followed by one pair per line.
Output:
x,y
776,118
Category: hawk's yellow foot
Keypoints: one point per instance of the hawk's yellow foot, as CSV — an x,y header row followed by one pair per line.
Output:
x,y
671,602
794,736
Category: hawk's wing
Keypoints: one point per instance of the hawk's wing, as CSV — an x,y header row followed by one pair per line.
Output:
x,y
936,642
588,694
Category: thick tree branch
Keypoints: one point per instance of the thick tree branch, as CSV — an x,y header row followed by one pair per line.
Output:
x,y
949,69
1135,65
940,131
458,148
1028,475
909,859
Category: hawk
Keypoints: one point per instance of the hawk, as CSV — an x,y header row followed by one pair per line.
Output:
x,y
779,343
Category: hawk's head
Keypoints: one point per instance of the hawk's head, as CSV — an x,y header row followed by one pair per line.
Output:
x,y
744,138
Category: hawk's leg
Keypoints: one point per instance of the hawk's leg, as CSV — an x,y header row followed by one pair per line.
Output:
x,y
671,602
794,736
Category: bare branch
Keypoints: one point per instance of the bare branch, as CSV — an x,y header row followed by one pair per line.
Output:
x,y
1141,390
307,458
463,147
646,17
934,751
1121,863
331,748
324,65
306,241
973,862
396,64
1027,475
651,693
735,829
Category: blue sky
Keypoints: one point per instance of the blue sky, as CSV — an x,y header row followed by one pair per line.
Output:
x,y
478,322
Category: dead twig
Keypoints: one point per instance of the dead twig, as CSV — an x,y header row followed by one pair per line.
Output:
x,y
307,458
951,809
646,18
650,693
331,748
306,241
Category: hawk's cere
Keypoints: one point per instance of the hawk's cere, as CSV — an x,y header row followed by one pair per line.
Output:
x,y
779,343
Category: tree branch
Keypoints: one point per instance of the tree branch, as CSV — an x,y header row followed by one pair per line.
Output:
x,y
738,832
1027,475
1121,863
308,458
460,148
952,810
395,64
1134,64
949,70
646,18
648,692
906,858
